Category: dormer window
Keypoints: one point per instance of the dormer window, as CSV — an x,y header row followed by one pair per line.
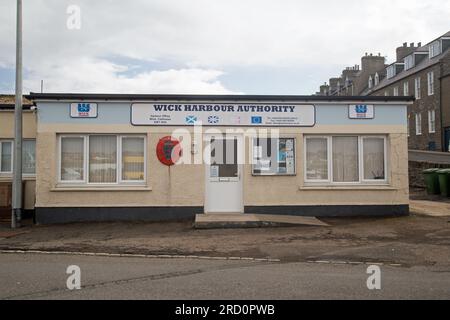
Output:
x,y
390,71
409,62
370,82
435,49
377,79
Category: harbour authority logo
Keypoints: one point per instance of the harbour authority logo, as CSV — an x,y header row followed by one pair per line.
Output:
x,y
84,107
361,111
83,110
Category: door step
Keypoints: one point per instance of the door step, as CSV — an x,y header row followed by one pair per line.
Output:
x,y
230,220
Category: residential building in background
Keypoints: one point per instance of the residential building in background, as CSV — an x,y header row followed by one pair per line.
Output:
x,y
422,71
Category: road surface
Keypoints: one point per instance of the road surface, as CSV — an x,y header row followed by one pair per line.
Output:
x,y
43,276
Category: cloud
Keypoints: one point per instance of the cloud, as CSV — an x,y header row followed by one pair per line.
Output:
x,y
212,36
95,75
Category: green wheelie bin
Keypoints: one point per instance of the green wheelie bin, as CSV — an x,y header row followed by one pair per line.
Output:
x,y
444,182
432,181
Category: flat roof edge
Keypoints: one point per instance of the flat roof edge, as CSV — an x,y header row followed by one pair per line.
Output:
x,y
206,97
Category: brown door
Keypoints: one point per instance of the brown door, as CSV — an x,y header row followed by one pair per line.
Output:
x,y
5,200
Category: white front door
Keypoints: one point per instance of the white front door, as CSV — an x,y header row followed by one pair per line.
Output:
x,y
223,189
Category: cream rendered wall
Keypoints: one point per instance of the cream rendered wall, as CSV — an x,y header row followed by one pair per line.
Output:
x,y
29,132
183,185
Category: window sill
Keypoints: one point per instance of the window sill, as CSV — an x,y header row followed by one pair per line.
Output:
x,y
347,187
64,188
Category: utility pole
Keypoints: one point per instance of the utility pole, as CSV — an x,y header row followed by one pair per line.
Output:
x,y
16,214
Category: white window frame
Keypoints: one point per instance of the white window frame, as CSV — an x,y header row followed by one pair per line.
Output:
x,y
430,78
431,124
417,88
390,71
85,182
315,181
435,49
120,163
396,91
361,181
12,156
418,121
35,152
8,173
385,180
406,88
377,79
85,150
409,62
408,125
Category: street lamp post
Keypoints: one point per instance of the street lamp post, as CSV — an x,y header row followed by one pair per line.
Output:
x,y
16,214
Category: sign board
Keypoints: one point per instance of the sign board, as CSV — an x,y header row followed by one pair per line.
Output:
x,y
83,110
361,111
209,114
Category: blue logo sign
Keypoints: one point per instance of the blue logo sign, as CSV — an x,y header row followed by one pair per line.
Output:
x,y
191,119
213,119
256,120
84,107
361,108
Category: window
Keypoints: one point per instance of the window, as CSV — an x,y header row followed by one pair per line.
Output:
x,y
409,62
6,153
390,71
386,93
431,121
406,89
395,91
72,158
408,125
345,159
102,159
316,159
374,158
418,124
417,88
133,158
377,79
273,156
435,49
370,82
28,157
430,77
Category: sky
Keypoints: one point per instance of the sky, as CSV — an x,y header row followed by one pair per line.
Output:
x,y
206,46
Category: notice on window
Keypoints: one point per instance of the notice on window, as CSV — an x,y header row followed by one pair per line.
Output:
x,y
214,172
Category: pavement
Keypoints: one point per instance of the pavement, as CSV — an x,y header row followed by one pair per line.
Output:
x,y
429,156
411,241
40,276
430,208
239,220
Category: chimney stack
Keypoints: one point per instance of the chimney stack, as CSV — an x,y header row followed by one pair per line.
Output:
x,y
404,51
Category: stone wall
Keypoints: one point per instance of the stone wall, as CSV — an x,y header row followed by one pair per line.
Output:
x,y
416,178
